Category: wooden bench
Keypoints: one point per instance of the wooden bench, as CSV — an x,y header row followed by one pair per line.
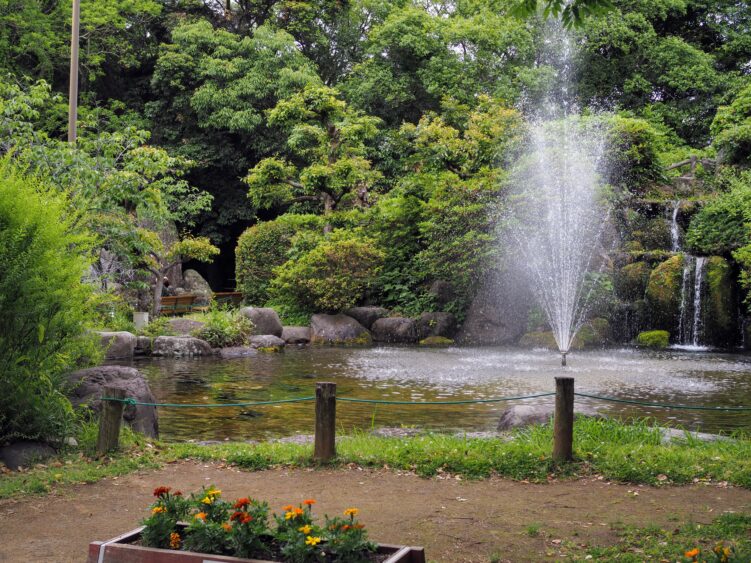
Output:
x,y
180,304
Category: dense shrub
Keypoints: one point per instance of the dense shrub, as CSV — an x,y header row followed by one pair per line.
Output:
x,y
225,327
721,226
263,247
632,154
731,130
44,306
332,276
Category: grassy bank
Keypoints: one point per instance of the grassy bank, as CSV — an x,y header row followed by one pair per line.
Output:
x,y
615,450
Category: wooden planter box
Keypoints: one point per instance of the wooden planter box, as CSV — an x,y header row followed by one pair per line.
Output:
x,y
122,550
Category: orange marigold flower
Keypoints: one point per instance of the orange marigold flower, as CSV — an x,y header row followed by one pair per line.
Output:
x,y
693,553
174,540
161,491
158,510
288,508
227,527
309,502
346,527
245,518
200,516
241,503
177,494
351,512
305,529
236,515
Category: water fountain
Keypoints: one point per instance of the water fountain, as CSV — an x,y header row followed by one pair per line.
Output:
x,y
558,216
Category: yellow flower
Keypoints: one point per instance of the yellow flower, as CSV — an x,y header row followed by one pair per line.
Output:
x,y
351,512
693,553
158,510
200,516
312,540
207,500
305,529
174,540
289,515
212,492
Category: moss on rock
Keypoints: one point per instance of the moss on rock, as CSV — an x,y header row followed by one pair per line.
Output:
x,y
631,281
664,293
657,339
436,341
721,309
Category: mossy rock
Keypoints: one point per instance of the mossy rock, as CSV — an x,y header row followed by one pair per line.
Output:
x,y
271,349
657,339
721,306
436,341
664,293
655,234
631,281
539,339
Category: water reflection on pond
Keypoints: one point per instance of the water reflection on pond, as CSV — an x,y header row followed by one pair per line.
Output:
x,y
436,374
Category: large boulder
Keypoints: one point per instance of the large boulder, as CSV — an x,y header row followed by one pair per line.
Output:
x,y
118,345
185,327
233,352
395,330
442,292
338,330
180,346
435,324
25,454
296,334
366,316
527,415
144,345
265,320
194,284
267,342
664,294
88,387
498,312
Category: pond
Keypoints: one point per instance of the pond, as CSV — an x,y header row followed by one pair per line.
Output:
x,y
415,374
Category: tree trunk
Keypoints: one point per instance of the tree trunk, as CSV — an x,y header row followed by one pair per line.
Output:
x,y
157,296
328,208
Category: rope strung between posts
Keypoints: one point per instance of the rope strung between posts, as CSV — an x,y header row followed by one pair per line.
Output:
x,y
661,405
133,402
130,401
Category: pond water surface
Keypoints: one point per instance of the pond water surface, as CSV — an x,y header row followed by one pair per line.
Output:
x,y
412,374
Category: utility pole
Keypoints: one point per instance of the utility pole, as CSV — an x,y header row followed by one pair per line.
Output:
x,y
73,89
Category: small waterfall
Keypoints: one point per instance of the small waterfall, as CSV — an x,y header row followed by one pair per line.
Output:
x,y
690,324
675,231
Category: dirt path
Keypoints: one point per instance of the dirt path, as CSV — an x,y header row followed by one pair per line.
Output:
x,y
458,521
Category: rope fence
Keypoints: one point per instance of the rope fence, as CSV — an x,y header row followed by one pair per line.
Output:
x,y
326,399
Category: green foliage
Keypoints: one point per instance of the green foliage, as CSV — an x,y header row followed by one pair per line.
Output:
x,y
331,277
653,339
721,226
158,326
225,327
632,154
44,306
571,13
664,293
263,247
731,130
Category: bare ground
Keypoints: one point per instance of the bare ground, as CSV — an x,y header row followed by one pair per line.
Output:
x,y
457,521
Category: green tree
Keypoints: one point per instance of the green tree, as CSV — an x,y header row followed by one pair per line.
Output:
x,y
731,130
44,306
327,140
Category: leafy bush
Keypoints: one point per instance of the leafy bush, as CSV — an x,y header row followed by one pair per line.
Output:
x,y
653,339
225,327
333,276
731,129
158,326
632,154
44,307
721,226
263,247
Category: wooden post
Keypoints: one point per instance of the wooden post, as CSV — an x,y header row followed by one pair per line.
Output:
x,y
563,423
109,421
325,445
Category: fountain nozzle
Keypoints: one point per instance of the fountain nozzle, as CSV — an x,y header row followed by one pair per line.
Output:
x,y
563,358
